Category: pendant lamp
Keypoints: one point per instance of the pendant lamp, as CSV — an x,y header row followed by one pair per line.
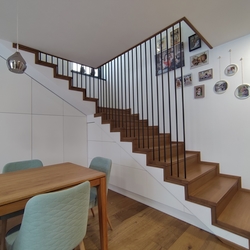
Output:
x,y
15,62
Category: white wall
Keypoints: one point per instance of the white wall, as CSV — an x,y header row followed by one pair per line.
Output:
x,y
217,126
36,123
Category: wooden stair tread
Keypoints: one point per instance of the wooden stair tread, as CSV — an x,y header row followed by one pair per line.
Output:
x,y
236,215
214,190
198,170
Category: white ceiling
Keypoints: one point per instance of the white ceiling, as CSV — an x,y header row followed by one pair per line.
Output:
x,y
92,32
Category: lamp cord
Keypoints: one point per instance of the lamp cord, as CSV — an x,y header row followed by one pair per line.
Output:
x,y
17,46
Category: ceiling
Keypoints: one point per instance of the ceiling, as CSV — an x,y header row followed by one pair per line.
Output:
x,y
92,32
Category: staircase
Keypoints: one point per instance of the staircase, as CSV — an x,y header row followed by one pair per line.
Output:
x,y
203,183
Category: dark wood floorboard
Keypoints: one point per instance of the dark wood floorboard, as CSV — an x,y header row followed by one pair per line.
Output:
x,y
139,227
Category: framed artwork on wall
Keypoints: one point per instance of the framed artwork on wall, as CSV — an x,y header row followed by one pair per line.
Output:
x,y
194,42
199,91
178,82
242,91
205,75
175,37
188,80
199,59
220,87
231,70
170,59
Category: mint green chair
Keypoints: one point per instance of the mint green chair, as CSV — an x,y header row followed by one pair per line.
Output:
x,y
11,167
103,165
53,221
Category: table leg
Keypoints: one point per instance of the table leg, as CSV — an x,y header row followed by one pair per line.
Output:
x,y
102,211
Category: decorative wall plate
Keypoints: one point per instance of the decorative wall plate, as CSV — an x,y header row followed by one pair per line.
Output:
x,y
220,86
231,70
242,91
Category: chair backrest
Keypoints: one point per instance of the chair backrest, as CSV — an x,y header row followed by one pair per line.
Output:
x,y
56,220
21,165
103,165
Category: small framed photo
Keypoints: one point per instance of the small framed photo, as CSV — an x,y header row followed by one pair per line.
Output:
x,y
175,37
242,91
194,42
199,59
231,70
199,91
188,80
220,87
205,75
178,82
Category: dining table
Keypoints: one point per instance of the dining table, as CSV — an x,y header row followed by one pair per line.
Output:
x,y
16,188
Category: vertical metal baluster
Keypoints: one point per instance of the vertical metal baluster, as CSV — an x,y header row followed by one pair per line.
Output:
x,y
152,97
142,109
125,89
169,111
157,99
137,93
129,94
133,84
146,83
163,112
183,106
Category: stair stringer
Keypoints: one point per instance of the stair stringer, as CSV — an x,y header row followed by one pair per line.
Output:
x,y
45,77
166,197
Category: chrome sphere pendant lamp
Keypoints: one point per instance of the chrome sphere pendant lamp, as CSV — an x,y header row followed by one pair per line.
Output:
x,y
15,62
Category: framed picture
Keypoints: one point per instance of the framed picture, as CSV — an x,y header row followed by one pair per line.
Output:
x,y
170,59
194,42
205,75
199,59
175,37
161,44
178,82
199,91
188,80
220,87
242,91
231,69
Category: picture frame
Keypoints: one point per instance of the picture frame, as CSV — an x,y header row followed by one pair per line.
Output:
x,y
175,37
242,91
188,80
166,62
231,69
178,82
205,75
220,87
199,59
199,91
161,44
194,42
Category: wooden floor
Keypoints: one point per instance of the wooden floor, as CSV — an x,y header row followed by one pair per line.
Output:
x,y
139,227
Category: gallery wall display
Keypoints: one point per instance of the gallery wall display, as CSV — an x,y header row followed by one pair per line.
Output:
x,y
199,59
221,86
170,59
199,91
194,42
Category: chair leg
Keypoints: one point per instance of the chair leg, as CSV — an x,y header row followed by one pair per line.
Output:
x,y
81,245
3,233
109,223
92,212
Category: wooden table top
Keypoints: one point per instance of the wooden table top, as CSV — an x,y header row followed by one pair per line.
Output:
x,y
24,184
